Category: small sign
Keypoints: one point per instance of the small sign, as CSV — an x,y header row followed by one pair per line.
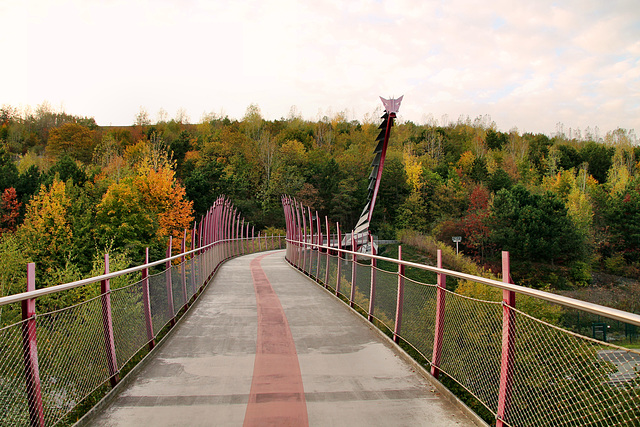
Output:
x,y
456,239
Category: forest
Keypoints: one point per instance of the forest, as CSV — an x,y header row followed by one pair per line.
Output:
x,y
565,205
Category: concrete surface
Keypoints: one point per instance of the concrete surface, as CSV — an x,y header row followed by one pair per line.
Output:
x,y
203,375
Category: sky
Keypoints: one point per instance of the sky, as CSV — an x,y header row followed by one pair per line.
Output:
x,y
527,64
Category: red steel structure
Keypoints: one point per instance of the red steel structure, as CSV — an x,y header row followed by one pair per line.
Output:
x,y
377,165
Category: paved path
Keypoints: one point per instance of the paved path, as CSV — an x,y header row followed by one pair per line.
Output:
x,y
265,346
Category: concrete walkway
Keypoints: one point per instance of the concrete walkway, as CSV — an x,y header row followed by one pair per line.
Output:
x,y
308,360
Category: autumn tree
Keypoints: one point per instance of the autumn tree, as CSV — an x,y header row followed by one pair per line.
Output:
x,y
71,139
9,210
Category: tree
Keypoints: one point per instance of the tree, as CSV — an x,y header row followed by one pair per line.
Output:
x,y
496,140
46,233
599,157
8,170
474,223
9,210
533,227
71,139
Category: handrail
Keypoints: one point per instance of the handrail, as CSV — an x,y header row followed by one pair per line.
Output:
x,y
22,296
589,307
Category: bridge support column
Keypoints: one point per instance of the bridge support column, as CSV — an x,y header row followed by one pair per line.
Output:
x,y
439,324
30,352
508,342
400,299
107,323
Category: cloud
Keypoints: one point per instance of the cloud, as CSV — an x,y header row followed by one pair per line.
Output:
x,y
528,64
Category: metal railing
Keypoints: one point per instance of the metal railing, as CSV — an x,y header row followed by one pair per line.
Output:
x,y
50,362
523,370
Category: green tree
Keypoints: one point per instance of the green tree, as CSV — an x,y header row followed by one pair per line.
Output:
x,y
599,157
533,227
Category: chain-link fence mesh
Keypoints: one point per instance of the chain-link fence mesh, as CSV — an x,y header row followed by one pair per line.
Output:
x,y
555,377
71,356
13,386
72,342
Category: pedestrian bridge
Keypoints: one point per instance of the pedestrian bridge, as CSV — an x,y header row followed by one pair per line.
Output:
x,y
235,331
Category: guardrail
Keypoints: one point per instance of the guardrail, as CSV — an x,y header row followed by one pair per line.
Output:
x,y
524,371
51,362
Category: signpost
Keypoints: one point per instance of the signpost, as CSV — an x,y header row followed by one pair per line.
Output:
x,y
456,240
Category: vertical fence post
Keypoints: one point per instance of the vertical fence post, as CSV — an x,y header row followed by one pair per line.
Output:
x,y
508,341
326,271
183,248
304,239
244,242
107,324
30,352
192,261
439,324
169,283
146,302
318,243
372,293
339,259
400,300
352,295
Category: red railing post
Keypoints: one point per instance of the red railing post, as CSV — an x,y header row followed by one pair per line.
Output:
x,y
107,323
169,283
192,261
352,295
242,236
326,272
372,293
183,248
304,238
30,352
146,302
253,239
508,341
439,324
318,243
339,259
400,300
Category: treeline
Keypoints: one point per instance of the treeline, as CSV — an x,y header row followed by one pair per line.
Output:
x,y
72,189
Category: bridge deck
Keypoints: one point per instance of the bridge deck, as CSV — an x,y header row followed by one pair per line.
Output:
x,y
264,346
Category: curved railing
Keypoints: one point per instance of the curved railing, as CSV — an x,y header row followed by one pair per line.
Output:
x,y
51,362
523,370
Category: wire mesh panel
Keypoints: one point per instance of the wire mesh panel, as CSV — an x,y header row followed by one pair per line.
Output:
x,y
176,288
71,356
472,345
129,330
313,263
386,297
563,379
345,277
13,393
333,271
418,316
322,267
363,286
160,313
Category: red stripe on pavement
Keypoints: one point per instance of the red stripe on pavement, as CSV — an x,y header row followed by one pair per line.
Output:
x,y
277,394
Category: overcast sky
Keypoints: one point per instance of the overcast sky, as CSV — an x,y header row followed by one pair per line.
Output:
x,y
527,64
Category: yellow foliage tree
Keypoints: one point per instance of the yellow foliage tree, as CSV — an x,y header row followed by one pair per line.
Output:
x,y
46,233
